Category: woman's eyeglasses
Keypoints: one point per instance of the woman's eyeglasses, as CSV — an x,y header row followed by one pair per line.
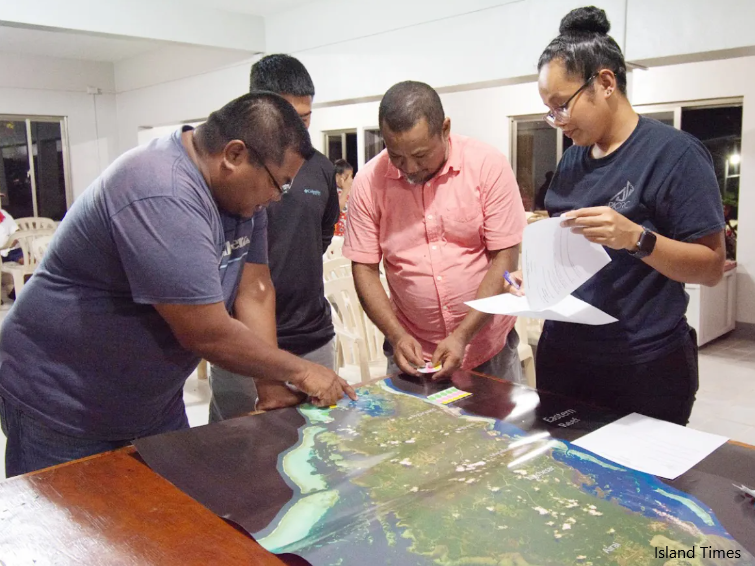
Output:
x,y
562,114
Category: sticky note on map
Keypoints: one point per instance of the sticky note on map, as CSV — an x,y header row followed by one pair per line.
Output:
x,y
448,396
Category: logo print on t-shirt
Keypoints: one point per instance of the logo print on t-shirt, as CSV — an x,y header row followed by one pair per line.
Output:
x,y
620,200
237,244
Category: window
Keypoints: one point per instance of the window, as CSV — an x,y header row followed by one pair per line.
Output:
x,y
536,149
536,154
33,171
342,145
720,129
373,143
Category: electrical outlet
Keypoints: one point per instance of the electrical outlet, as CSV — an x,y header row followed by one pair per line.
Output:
x,y
94,90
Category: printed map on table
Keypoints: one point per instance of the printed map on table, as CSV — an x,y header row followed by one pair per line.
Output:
x,y
394,479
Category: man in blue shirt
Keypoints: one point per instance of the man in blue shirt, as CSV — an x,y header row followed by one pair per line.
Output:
x,y
155,266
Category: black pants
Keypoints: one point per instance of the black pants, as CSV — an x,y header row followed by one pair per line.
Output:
x,y
664,388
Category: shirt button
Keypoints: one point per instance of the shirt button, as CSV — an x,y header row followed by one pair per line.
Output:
x,y
445,307
429,216
435,247
439,278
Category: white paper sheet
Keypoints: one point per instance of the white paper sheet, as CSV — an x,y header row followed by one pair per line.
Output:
x,y
555,262
649,445
569,309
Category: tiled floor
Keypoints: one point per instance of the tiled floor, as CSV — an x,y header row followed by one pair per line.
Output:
x,y
725,402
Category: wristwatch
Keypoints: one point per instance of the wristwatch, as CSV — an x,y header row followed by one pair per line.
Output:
x,y
645,245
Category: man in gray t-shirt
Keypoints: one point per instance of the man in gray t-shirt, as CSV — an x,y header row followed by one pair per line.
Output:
x,y
155,266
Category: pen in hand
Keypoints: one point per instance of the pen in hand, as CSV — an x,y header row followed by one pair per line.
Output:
x,y
510,280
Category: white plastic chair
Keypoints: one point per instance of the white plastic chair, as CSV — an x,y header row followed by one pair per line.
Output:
x,y
18,271
39,247
358,341
335,248
524,350
36,223
336,268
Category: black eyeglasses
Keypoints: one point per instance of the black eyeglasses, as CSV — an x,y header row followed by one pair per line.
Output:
x,y
562,114
282,189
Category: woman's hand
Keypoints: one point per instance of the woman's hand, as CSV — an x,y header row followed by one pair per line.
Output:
x,y
603,225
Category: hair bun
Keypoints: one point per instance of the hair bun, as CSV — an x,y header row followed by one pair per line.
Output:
x,y
585,20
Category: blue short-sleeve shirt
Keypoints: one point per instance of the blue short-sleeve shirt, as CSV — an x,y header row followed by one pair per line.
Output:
x,y
660,178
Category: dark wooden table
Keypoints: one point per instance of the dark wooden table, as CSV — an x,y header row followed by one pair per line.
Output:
x,y
112,509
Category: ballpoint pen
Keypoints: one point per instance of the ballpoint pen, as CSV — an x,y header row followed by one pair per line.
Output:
x,y
510,280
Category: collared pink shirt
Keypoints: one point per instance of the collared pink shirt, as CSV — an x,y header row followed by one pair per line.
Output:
x,y
434,239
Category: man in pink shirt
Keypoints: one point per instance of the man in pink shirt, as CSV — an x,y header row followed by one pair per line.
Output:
x,y
444,214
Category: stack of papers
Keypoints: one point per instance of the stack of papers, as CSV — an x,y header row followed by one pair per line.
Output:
x,y
652,446
555,262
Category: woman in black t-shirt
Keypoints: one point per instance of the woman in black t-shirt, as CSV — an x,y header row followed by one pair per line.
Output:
x,y
648,193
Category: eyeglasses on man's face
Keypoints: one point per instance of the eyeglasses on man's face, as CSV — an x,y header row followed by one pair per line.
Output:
x,y
282,189
562,114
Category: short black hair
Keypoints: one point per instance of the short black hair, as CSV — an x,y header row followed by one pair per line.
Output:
x,y
264,121
281,74
342,166
407,103
584,46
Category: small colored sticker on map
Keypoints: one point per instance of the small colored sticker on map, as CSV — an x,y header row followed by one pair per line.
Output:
x,y
448,396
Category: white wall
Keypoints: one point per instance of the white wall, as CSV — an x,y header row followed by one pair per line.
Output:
x,y
448,43
173,63
175,100
441,42
57,87
672,30
356,49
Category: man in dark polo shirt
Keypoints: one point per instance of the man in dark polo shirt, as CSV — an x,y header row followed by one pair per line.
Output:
x,y
300,229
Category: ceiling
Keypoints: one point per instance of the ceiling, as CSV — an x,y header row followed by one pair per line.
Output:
x,y
103,48
71,45
253,7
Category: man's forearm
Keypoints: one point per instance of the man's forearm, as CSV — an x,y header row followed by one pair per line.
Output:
x,y
375,301
492,284
209,332
255,308
235,347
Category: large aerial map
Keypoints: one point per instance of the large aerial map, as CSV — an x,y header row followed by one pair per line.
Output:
x,y
395,479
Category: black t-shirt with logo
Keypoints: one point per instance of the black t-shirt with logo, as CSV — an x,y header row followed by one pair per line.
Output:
x,y
300,229
663,179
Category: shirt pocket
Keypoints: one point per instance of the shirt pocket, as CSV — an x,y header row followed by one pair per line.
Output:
x,y
463,226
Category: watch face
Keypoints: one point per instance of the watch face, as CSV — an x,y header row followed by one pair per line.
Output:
x,y
647,242
646,245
